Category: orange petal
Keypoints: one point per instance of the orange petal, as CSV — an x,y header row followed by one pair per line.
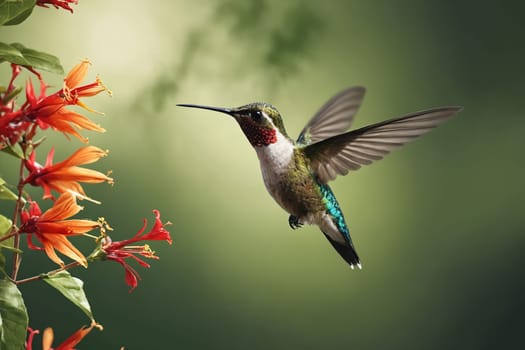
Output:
x,y
76,337
67,227
57,123
77,119
64,246
64,207
47,339
81,226
50,251
77,74
64,186
84,155
92,89
78,174
64,120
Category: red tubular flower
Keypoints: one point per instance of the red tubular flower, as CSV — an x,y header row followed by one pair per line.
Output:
x,y
10,129
120,251
30,336
11,124
66,175
57,4
50,111
52,229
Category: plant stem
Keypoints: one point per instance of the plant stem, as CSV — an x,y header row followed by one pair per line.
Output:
x,y
13,232
48,274
90,236
18,210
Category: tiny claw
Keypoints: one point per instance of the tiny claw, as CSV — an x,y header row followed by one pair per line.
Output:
x,y
294,223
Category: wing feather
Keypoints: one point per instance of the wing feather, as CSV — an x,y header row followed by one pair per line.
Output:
x,y
349,151
334,117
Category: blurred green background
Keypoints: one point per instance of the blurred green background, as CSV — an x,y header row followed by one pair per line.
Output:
x,y
439,225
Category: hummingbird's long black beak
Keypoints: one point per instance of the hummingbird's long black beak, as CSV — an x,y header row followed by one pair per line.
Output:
x,y
216,109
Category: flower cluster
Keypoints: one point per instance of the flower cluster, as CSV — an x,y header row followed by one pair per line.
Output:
x,y
122,250
65,175
44,111
61,182
52,229
48,219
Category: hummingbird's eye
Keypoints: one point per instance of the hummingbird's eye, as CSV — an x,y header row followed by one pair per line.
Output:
x,y
256,115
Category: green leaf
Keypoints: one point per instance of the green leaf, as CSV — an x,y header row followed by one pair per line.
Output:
x,y
6,193
19,54
11,248
40,60
15,11
11,54
2,263
5,225
13,317
72,288
22,16
14,150
5,228
11,95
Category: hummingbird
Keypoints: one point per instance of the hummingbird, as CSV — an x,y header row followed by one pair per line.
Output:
x,y
296,173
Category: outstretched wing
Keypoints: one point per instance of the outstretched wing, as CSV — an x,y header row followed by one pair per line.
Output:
x,y
334,117
349,151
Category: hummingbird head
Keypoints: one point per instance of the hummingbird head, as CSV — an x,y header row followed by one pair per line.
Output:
x,y
259,121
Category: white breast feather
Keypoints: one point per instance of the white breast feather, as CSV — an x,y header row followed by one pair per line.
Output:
x,y
275,159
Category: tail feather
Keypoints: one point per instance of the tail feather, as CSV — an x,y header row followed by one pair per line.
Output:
x,y
346,251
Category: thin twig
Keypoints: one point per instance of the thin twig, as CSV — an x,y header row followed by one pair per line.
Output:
x,y
9,235
18,210
48,274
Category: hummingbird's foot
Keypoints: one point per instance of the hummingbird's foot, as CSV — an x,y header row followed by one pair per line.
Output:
x,y
294,223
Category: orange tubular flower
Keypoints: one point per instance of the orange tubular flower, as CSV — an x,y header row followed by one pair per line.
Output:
x,y
66,175
69,343
52,229
50,111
